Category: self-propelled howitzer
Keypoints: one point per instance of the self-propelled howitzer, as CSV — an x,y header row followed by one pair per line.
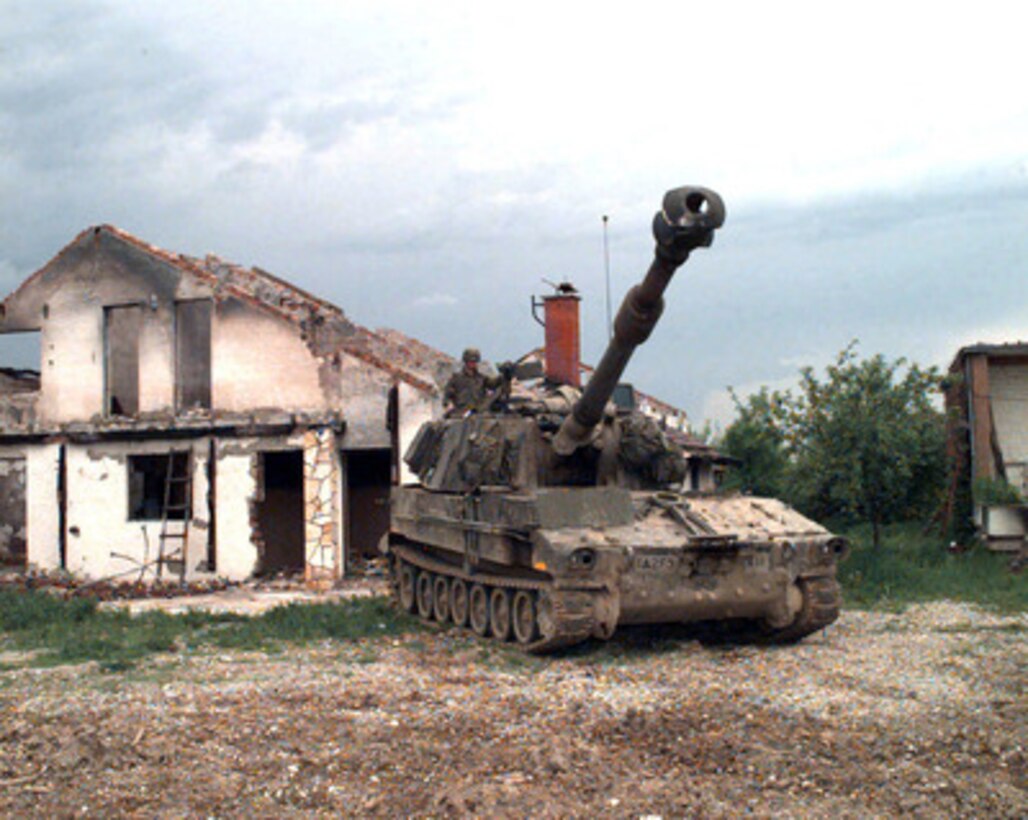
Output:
x,y
554,518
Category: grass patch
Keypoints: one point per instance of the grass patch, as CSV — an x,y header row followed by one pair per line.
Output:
x,y
74,631
911,567
350,619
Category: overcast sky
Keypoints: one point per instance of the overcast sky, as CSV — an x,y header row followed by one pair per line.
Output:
x,y
426,170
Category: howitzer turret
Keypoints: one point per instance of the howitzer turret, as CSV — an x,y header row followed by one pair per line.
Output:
x,y
549,519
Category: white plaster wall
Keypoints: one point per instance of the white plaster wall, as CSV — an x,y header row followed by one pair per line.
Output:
x,y
73,358
1008,384
107,543
157,359
415,408
41,515
1004,522
199,524
673,421
362,394
260,361
72,376
98,512
235,487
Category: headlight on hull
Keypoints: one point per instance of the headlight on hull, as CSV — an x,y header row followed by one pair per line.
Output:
x,y
583,558
840,548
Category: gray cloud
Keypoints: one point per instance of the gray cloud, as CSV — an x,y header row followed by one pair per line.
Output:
x,y
75,82
106,116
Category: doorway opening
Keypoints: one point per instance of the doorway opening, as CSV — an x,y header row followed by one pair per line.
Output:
x,y
280,512
368,479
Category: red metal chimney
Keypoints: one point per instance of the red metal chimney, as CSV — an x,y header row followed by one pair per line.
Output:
x,y
563,347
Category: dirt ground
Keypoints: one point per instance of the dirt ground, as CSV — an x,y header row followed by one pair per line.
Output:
x,y
923,713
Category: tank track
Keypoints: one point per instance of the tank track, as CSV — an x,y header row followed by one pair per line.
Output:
x,y
564,616
822,599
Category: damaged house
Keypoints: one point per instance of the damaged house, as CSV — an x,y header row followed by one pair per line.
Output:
x,y
192,418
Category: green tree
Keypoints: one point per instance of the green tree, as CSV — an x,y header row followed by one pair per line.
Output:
x,y
862,442
757,440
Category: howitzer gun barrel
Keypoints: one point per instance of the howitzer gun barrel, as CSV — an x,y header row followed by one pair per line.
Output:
x,y
687,220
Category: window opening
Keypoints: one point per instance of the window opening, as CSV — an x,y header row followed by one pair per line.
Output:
x,y
147,476
121,358
22,352
193,354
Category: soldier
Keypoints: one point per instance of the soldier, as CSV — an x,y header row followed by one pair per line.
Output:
x,y
467,389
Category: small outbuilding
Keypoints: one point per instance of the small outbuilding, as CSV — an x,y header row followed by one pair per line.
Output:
x,y
987,402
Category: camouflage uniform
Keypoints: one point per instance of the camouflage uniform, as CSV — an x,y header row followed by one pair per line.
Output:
x,y
467,388
466,391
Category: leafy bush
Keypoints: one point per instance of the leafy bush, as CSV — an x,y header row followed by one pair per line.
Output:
x,y
995,492
863,443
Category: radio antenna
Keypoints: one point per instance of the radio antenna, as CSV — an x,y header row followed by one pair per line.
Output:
x,y
606,267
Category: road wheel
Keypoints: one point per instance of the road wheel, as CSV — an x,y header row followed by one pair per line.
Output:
x,y
478,610
407,583
441,599
459,601
499,613
525,628
423,594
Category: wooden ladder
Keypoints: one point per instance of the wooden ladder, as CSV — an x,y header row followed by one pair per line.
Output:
x,y
174,529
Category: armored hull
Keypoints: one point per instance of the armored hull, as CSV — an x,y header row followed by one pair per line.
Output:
x,y
548,567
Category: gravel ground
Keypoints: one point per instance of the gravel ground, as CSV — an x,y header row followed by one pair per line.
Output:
x,y
923,713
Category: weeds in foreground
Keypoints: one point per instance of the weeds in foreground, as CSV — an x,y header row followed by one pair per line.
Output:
x,y
39,629
58,632
911,567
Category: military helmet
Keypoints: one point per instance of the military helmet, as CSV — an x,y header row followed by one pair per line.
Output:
x,y
472,354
